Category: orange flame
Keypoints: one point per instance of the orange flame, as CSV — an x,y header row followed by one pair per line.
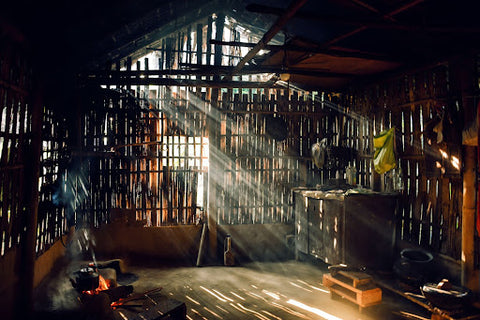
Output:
x,y
103,284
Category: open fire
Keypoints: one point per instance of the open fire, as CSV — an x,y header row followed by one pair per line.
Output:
x,y
89,283
102,298
103,284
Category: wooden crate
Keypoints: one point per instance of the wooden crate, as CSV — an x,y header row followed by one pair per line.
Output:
x,y
357,287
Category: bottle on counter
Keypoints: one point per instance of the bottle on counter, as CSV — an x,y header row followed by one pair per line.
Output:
x,y
351,175
353,172
348,174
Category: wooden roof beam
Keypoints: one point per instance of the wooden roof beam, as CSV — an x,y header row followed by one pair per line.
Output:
x,y
277,26
363,27
376,24
331,52
225,70
372,9
179,82
207,70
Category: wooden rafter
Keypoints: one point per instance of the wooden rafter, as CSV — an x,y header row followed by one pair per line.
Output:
x,y
363,27
372,9
386,22
156,76
223,70
391,14
277,26
331,51
134,81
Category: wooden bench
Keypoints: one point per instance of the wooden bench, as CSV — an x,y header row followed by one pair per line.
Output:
x,y
357,287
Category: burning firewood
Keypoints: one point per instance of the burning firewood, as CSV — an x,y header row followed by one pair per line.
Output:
x,y
135,297
118,293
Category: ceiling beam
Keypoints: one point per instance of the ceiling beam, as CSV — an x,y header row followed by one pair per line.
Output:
x,y
313,49
329,43
372,9
208,70
225,70
391,24
111,81
132,38
277,26
363,27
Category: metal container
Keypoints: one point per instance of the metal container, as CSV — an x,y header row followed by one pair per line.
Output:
x,y
85,279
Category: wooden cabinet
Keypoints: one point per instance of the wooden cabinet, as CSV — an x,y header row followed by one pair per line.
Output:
x,y
356,229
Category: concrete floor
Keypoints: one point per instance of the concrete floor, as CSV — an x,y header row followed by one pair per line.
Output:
x,y
288,290
266,290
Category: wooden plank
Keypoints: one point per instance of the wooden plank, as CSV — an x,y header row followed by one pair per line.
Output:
x,y
358,278
368,295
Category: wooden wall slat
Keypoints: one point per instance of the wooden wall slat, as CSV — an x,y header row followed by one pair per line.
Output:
x,y
158,165
258,172
15,138
430,201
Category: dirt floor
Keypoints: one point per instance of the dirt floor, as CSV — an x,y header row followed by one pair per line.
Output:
x,y
266,290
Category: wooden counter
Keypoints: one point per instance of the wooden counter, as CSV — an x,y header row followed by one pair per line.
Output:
x,y
350,227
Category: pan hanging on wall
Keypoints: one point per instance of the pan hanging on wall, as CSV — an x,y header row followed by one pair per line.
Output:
x,y
276,127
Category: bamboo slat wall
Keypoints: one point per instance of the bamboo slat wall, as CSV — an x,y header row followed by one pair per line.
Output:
x,y
146,155
160,159
260,171
431,203
160,152
52,220
16,77
15,127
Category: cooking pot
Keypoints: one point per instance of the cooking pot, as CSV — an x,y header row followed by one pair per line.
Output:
x,y
446,296
414,266
85,279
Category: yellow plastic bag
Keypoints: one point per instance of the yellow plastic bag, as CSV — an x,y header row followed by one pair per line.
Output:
x,y
384,158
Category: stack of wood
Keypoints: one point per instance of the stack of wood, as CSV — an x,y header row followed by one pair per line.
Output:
x,y
357,287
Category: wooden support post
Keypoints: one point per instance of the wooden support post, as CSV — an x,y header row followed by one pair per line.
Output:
x,y
199,43
179,49
169,53
209,36
27,266
376,179
463,68
215,175
469,274
220,22
138,86
215,167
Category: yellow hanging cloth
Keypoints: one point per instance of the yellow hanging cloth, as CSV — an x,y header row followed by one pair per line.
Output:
x,y
384,158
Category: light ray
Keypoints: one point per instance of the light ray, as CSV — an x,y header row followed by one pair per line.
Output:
x,y
316,311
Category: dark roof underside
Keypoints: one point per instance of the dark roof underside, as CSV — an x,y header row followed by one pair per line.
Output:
x,y
336,41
